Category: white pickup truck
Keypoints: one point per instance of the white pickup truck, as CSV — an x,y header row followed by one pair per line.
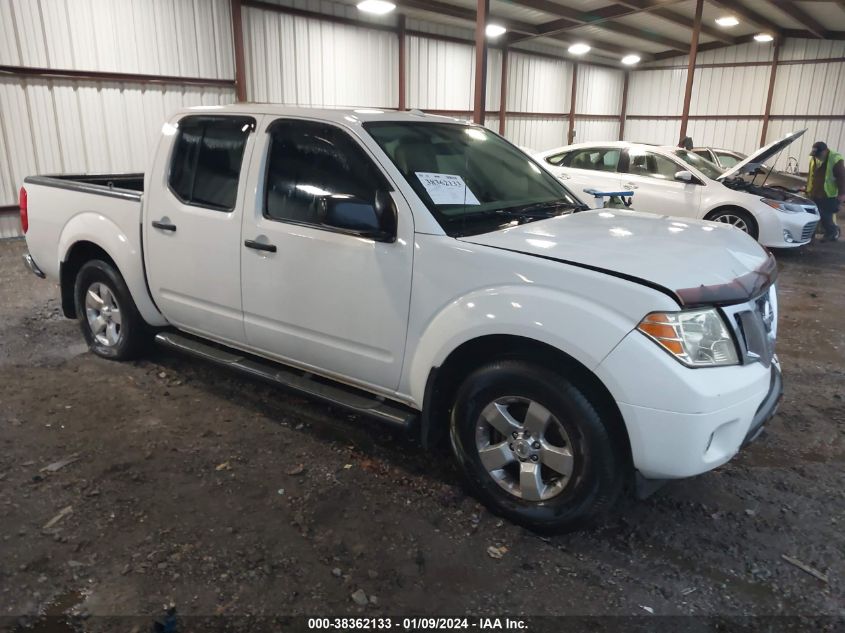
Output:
x,y
427,273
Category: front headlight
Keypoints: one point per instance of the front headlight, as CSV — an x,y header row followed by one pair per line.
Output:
x,y
697,338
784,207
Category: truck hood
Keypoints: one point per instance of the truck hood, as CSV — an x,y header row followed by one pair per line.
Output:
x,y
761,156
697,263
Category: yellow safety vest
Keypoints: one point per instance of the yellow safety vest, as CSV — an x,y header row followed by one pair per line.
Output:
x,y
830,188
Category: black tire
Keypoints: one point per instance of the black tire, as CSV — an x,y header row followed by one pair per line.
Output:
x,y
132,331
600,468
722,215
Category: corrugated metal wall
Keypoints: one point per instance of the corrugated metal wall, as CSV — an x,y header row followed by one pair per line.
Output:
x,y
599,92
538,85
159,37
303,61
811,90
86,125
72,125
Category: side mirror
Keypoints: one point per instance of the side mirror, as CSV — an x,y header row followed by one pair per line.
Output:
x,y
376,220
684,176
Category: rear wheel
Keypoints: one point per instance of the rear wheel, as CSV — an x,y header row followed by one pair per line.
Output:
x,y
107,315
534,449
738,218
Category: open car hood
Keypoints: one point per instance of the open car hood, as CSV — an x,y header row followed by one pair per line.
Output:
x,y
761,156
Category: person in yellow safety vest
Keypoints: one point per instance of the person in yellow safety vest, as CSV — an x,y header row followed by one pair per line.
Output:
x,y
826,186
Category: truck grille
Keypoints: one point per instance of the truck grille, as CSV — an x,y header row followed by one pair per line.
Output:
x,y
808,230
756,327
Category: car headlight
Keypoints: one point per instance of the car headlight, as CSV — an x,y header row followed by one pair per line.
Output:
x,y
785,207
697,338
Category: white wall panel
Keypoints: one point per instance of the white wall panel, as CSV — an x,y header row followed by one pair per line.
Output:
x,y
793,49
596,130
810,89
538,84
737,134
599,90
656,92
729,90
536,134
658,131
57,125
752,52
494,78
439,74
160,37
304,61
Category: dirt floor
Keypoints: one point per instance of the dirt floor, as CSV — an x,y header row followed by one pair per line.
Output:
x,y
196,488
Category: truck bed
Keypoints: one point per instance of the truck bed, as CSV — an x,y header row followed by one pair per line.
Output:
x,y
94,210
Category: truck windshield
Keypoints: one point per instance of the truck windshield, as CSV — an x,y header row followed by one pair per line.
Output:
x,y
471,180
711,170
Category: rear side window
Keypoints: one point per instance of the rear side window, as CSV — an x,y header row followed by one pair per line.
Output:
x,y
207,158
311,161
557,159
595,159
729,160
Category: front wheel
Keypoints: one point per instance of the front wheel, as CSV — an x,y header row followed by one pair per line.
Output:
x,y
110,322
737,218
534,449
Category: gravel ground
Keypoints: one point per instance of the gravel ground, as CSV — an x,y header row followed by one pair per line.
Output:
x,y
192,487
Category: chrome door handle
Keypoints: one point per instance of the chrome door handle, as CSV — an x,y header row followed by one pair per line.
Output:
x,y
630,186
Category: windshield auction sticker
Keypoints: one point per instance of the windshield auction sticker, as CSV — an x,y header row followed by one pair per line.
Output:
x,y
446,188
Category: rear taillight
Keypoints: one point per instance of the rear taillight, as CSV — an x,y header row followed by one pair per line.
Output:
x,y
24,212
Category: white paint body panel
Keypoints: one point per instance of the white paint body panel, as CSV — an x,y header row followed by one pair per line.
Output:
x,y
682,200
382,315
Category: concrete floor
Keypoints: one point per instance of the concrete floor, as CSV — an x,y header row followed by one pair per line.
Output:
x,y
221,496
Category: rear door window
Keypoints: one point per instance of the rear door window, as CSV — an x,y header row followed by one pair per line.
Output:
x,y
594,158
207,157
652,165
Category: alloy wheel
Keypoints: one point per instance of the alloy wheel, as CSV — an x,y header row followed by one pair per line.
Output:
x,y
733,220
103,313
524,448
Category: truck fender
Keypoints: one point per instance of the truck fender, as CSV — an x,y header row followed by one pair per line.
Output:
x,y
99,230
585,330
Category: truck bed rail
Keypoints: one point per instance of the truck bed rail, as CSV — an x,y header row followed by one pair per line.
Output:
x,y
124,186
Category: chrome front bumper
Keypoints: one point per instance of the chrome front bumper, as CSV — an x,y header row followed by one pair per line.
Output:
x,y
30,263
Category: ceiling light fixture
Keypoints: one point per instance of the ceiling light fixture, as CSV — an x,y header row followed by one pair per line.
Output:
x,y
727,21
379,7
763,37
630,60
579,49
495,30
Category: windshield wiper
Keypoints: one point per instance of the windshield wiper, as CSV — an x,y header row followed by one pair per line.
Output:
x,y
546,208
524,213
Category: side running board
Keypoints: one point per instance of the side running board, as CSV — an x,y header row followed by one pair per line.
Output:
x,y
316,387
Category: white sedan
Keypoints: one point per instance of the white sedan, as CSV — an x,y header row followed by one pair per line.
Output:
x,y
677,182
